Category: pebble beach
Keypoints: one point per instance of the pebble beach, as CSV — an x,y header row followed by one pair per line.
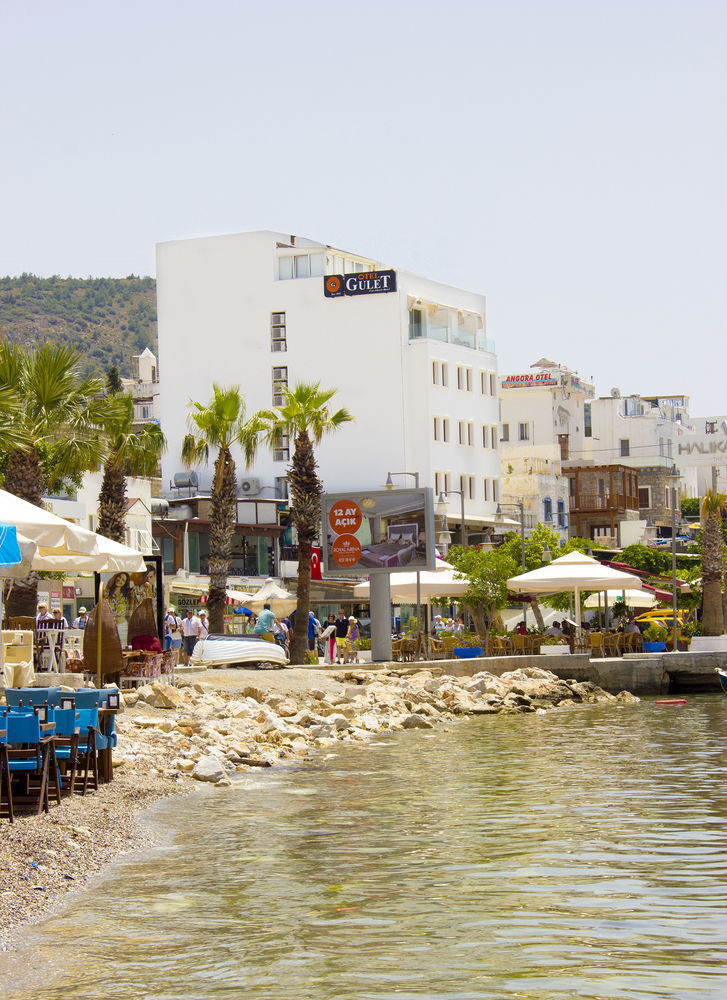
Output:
x,y
214,726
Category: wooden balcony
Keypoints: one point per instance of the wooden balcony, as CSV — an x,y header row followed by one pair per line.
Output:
x,y
594,503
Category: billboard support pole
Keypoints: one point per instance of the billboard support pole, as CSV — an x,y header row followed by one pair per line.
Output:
x,y
380,600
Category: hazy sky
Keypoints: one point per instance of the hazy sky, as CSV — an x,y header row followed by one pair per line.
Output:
x,y
565,157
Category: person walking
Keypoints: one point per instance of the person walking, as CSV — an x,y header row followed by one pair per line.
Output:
x,y
341,633
264,623
172,629
204,630
190,633
328,635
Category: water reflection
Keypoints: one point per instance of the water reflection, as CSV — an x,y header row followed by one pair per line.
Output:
x,y
577,854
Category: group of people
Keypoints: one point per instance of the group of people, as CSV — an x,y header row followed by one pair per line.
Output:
x,y
339,636
453,625
184,633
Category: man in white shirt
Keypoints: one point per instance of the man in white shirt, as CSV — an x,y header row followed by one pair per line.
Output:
x,y
82,619
204,630
191,626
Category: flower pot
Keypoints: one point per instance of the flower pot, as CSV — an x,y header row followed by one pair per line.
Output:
x,y
467,652
654,647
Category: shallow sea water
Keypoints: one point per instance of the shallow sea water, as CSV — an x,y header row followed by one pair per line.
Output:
x,y
578,854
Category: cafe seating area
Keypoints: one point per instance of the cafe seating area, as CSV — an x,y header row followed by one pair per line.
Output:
x,y
54,743
596,644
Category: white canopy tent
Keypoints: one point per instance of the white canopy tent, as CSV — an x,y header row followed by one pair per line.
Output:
x,y
440,582
281,601
632,598
573,571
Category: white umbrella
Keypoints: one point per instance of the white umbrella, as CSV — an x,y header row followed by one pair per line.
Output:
x,y
281,601
633,599
574,571
433,583
48,542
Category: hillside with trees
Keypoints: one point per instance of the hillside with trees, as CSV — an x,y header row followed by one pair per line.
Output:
x,y
107,319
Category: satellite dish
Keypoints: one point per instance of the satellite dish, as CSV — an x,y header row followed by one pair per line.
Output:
x,y
616,393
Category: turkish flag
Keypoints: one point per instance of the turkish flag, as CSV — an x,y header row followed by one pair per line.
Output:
x,y
315,564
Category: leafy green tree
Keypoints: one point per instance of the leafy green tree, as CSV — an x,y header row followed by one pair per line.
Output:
x,y
486,573
305,419
654,561
690,507
130,452
54,424
218,425
113,381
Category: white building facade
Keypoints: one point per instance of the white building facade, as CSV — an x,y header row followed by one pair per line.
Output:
x,y
543,413
408,356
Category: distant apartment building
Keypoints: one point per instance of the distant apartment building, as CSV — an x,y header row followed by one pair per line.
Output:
x,y
542,424
642,433
144,387
408,356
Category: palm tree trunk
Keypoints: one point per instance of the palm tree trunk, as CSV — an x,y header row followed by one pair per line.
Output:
x,y
112,503
222,524
712,616
24,478
305,494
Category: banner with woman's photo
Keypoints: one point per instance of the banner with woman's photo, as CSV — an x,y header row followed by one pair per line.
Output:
x,y
127,592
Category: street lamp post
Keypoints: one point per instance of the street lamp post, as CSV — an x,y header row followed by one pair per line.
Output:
x,y
675,645
389,486
442,509
499,517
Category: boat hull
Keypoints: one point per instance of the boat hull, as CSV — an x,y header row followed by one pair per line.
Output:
x,y
234,650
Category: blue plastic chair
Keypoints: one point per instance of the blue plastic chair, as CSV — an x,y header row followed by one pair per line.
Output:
x,y
65,745
33,696
87,756
5,767
29,757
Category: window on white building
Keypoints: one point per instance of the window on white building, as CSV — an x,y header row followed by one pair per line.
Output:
x,y
445,429
281,487
505,435
624,447
437,429
436,370
468,379
485,436
561,514
547,510
493,391
300,265
486,489
523,432
493,436
278,337
484,383
282,452
280,383
470,434
445,373
495,490
460,377
415,325
462,431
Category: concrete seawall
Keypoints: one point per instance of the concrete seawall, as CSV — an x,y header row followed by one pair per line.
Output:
x,y
641,674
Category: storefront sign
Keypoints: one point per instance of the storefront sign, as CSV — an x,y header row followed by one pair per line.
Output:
x,y
529,381
702,450
366,283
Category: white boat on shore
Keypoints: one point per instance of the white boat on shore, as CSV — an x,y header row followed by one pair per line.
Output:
x,y
234,650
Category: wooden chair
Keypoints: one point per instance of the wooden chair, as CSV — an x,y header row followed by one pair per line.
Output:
x,y
519,644
396,649
22,623
436,648
29,756
610,644
408,649
596,644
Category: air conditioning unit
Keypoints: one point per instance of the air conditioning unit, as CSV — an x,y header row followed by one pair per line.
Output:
x,y
250,487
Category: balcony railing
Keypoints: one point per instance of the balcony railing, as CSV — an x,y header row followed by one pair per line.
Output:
x,y
603,501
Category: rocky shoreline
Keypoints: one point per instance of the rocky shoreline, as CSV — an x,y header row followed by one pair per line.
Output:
x,y
216,726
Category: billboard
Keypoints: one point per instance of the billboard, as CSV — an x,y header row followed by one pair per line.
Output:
x,y
381,531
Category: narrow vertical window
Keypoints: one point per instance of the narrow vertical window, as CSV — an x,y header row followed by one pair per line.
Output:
x,y
278,336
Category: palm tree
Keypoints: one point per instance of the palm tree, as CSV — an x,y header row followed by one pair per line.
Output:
x,y
53,417
306,419
713,506
218,425
130,453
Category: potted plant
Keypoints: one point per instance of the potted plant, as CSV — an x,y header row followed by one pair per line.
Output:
x,y
468,646
554,645
655,639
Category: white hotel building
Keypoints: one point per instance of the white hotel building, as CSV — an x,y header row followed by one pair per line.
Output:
x,y
413,365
